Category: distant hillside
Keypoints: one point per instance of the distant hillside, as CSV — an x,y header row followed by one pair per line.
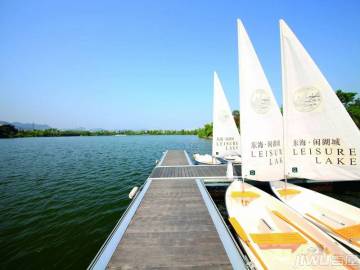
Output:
x,y
26,126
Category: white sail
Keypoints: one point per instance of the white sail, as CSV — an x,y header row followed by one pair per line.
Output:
x,y
321,140
261,119
226,137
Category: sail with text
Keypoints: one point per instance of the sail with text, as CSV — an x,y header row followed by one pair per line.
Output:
x,y
261,119
321,140
226,137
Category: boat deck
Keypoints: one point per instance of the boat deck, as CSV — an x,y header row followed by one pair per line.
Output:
x,y
172,223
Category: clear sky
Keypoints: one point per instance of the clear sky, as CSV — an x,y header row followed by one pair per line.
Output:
x,y
149,64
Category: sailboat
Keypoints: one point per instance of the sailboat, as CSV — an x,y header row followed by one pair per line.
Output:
x,y
276,237
273,235
226,137
321,142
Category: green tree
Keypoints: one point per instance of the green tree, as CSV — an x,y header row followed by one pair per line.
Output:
x,y
8,131
346,98
352,104
206,131
236,115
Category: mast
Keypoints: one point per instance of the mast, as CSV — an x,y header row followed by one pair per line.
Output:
x,y
284,98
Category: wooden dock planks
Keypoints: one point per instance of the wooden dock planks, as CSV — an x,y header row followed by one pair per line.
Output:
x,y
174,158
192,171
172,223
171,229
177,164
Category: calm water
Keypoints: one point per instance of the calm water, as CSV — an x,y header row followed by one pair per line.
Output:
x,y
61,197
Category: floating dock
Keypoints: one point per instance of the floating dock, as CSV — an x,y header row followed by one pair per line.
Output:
x,y
172,223
177,164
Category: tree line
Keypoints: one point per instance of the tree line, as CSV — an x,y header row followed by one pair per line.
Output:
x,y
350,100
9,131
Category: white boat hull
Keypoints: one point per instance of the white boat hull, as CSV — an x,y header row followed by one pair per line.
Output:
x,y
206,159
233,159
277,237
335,217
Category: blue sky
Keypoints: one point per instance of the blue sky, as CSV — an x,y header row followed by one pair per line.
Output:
x,y
149,64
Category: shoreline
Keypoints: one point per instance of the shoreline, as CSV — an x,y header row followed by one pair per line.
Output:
x,y
105,135
10,131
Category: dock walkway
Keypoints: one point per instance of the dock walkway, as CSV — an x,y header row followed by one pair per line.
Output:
x,y
191,171
177,164
172,223
175,158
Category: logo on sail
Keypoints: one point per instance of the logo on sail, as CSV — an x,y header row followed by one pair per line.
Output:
x,y
223,116
307,99
260,101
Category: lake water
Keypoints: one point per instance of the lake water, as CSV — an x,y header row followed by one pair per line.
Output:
x,y
61,197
